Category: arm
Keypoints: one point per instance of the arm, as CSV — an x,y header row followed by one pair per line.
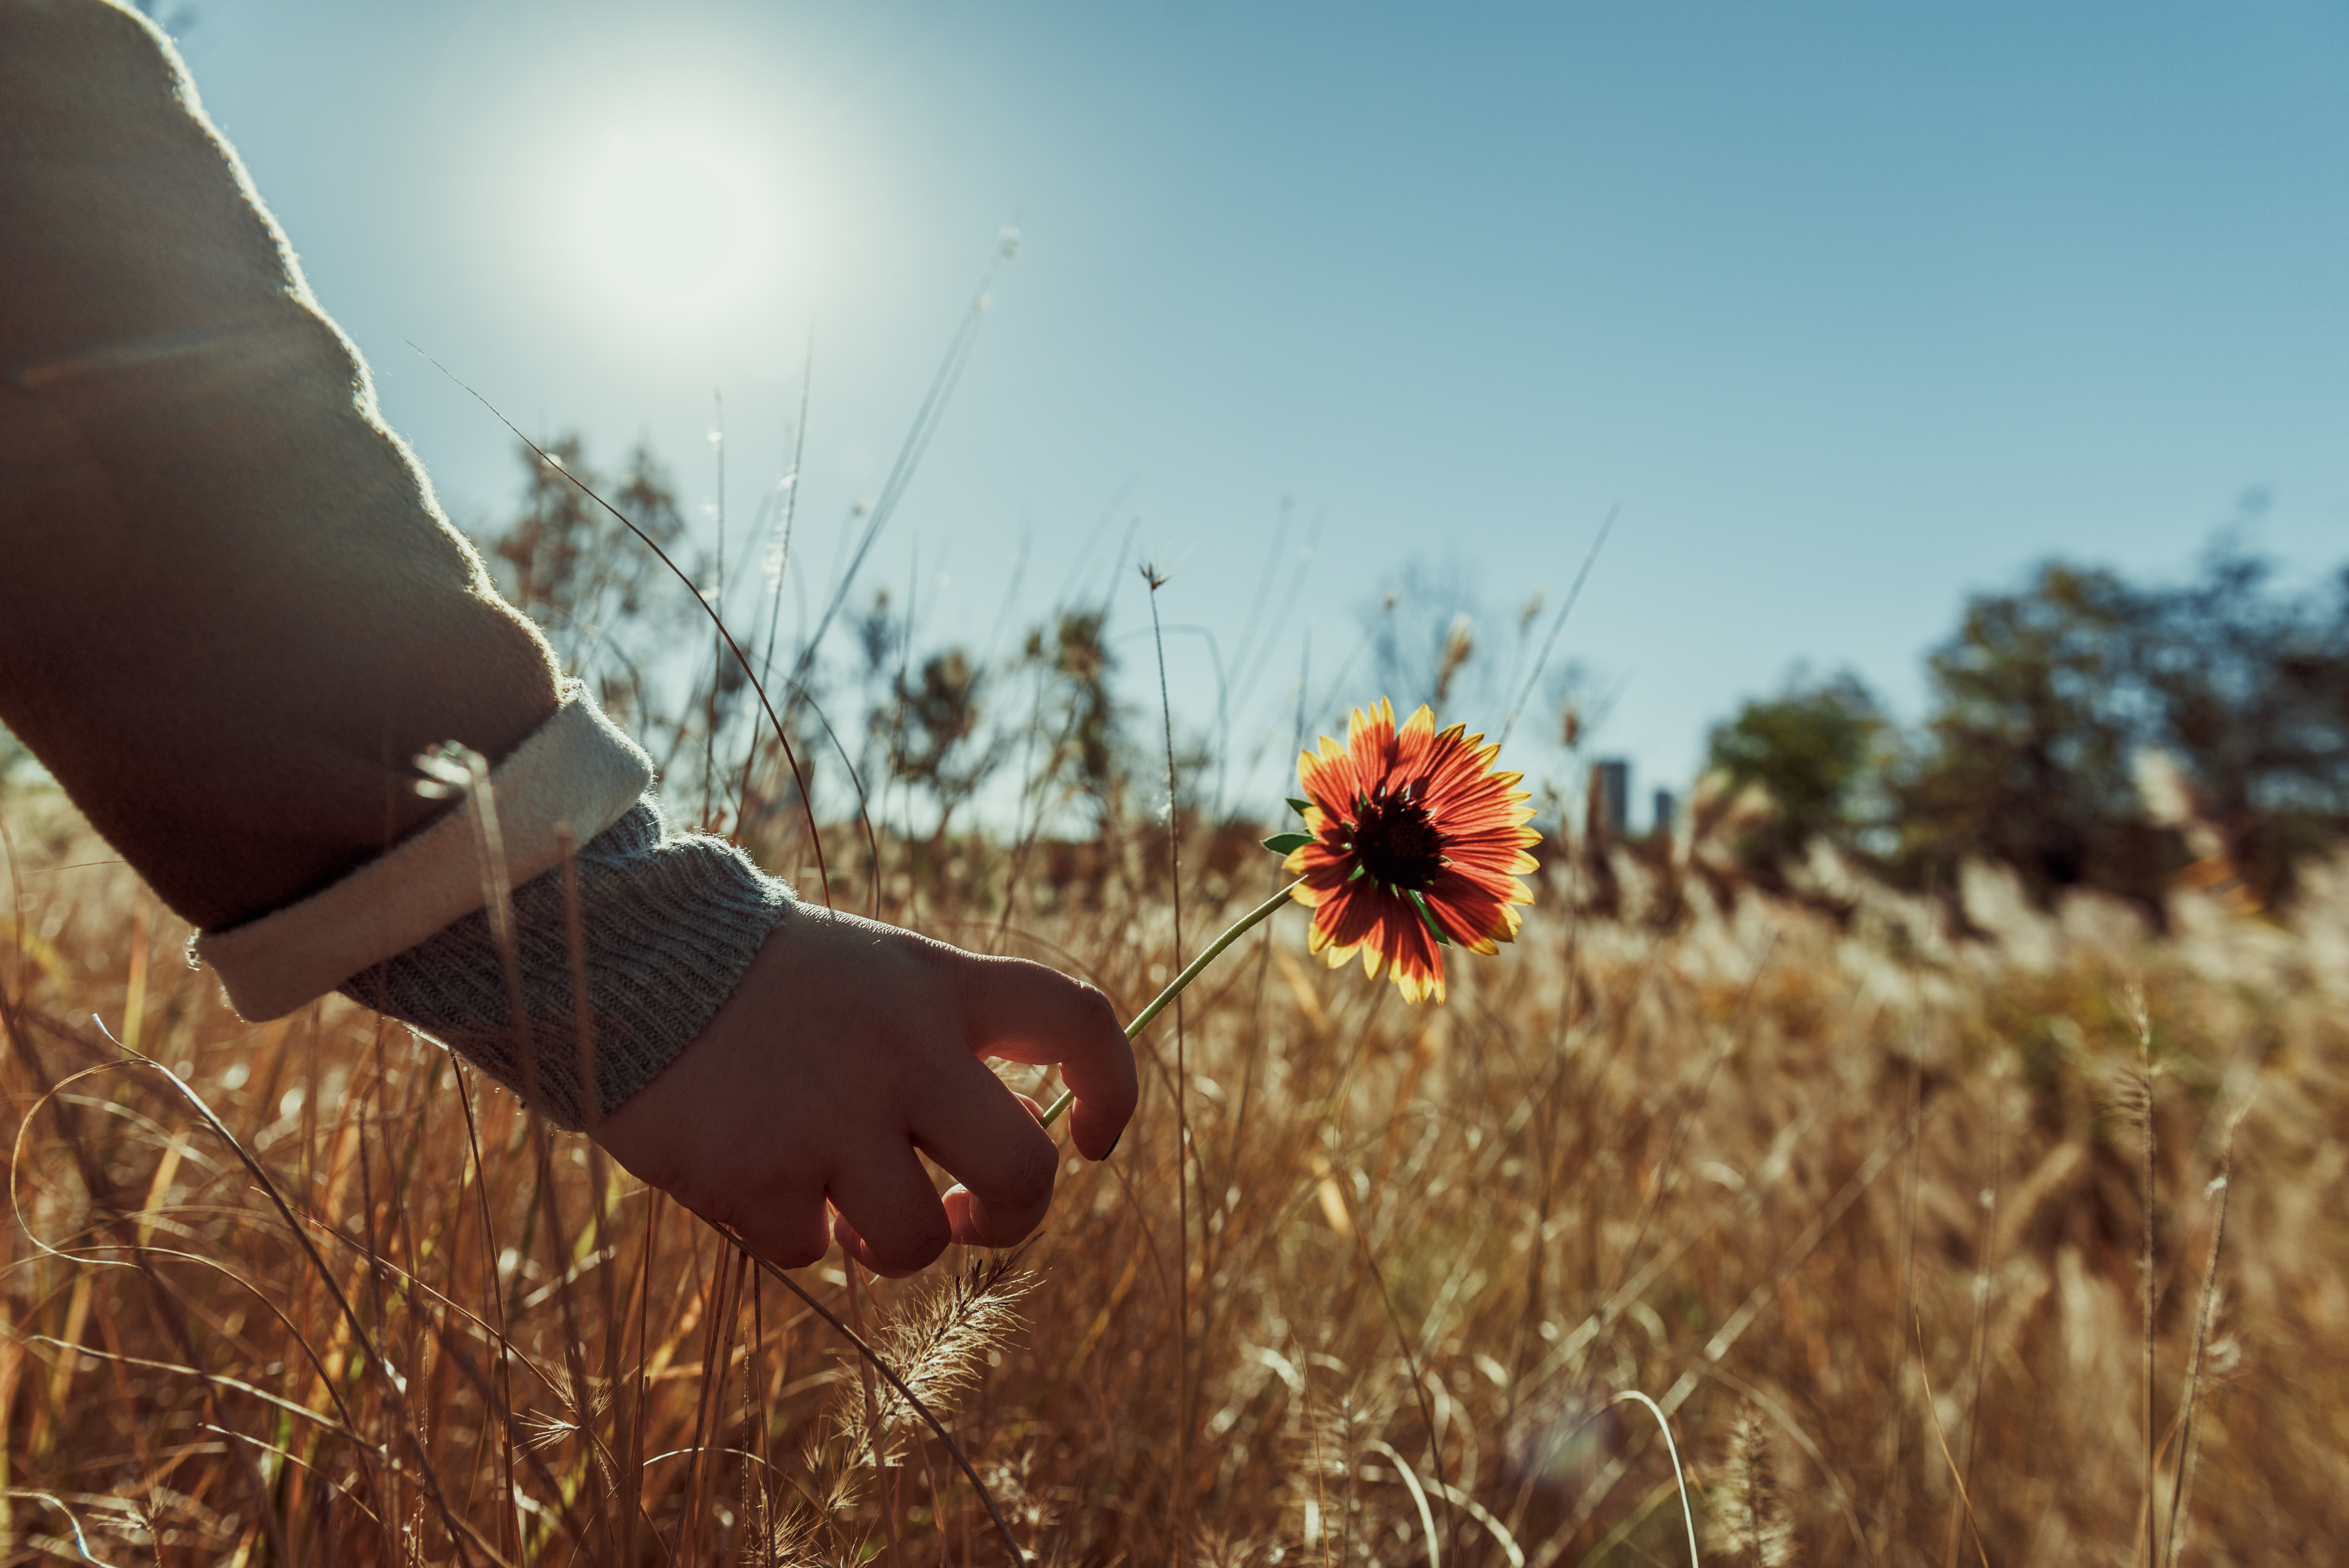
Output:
x,y
230,611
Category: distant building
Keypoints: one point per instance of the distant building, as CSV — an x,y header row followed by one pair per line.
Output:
x,y
1668,811
1612,784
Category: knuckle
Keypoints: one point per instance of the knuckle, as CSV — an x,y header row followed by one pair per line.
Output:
x,y
1000,1233
915,1247
1028,1175
1099,1013
713,1200
782,1233
802,1254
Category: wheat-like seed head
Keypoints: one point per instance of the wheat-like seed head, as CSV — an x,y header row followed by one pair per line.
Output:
x,y
935,1344
1750,1518
779,1536
1018,1491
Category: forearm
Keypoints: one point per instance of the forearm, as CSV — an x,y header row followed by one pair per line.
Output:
x,y
230,609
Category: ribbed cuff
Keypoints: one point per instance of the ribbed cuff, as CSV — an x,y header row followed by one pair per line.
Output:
x,y
669,923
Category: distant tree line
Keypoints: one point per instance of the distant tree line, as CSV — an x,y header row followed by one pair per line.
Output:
x,y
2085,730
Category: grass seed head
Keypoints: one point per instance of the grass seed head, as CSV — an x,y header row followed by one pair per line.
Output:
x,y
1750,1521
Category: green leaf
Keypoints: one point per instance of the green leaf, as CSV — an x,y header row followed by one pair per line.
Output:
x,y
1288,843
1427,918
1299,807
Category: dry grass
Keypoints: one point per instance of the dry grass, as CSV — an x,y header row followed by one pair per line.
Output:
x,y
1858,1209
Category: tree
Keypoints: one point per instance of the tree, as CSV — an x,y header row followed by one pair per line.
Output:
x,y
2249,691
940,748
606,603
2046,699
1811,748
1078,718
882,640
2027,755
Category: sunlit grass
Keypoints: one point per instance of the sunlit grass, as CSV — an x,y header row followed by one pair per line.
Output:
x,y
1779,1174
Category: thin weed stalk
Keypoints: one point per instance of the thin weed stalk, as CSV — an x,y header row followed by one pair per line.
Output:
x,y
1985,1261
782,738
2142,1103
2205,1312
1957,1476
1183,1392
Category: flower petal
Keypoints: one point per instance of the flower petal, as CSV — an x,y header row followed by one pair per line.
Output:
x,y
1478,817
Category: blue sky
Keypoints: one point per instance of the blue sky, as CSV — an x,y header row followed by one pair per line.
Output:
x,y
1852,309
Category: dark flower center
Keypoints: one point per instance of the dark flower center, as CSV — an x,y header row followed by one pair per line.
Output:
x,y
1395,842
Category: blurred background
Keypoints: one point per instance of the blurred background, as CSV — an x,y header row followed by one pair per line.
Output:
x,y
1356,321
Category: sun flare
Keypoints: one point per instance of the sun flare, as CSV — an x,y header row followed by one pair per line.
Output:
x,y
677,222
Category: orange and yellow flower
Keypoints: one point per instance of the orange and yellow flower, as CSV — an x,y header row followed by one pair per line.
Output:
x,y
1412,841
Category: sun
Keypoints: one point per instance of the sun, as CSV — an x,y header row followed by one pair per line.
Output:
x,y
676,224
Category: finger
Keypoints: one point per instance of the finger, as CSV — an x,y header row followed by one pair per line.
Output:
x,y
789,1231
1028,1013
984,1230
968,1120
852,1245
888,1215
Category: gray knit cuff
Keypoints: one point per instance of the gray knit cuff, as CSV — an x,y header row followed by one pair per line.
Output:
x,y
671,921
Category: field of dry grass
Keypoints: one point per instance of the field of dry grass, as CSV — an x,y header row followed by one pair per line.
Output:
x,y
1862,1211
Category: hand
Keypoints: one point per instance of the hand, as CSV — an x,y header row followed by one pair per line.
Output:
x,y
848,1046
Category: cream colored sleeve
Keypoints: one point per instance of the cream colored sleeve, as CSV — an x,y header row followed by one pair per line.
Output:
x,y
231,614
230,609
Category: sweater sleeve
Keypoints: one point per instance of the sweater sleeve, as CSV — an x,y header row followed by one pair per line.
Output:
x,y
617,961
232,612
660,923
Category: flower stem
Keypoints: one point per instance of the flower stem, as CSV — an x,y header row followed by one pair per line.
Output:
x,y
1239,928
